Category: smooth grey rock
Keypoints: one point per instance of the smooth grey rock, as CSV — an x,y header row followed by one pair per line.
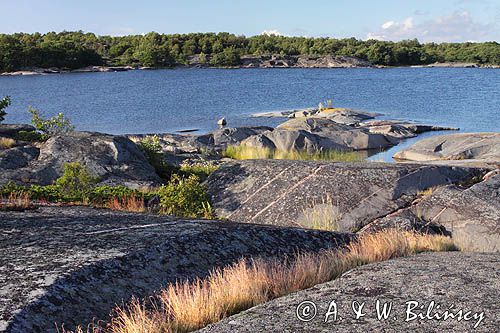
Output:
x,y
463,281
471,214
73,265
298,193
462,148
315,134
10,130
115,159
17,157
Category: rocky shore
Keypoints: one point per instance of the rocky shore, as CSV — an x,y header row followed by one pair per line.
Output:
x,y
248,61
72,265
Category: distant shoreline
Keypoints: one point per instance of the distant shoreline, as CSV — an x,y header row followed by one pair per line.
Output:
x,y
113,69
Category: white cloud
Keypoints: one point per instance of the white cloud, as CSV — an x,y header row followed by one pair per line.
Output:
x,y
456,27
272,32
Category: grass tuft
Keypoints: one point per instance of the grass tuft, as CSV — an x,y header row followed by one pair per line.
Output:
x,y
244,152
16,202
7,143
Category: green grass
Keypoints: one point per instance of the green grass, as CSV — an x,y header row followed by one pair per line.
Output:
x,y
247,152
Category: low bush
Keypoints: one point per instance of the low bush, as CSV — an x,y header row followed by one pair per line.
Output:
x,y
185,197
56,125
244,152
181,196
76,183
200,169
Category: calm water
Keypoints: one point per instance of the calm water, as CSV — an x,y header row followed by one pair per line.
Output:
x,y
170,100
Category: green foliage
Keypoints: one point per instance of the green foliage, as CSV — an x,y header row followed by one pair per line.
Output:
x,y
78,49
11,187
56,125
30,136
4,103
76,182
100,195
151,147
229,57
201,170
181,196
185,197
50,193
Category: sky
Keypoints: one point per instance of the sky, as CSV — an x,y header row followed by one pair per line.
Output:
x,y
426,20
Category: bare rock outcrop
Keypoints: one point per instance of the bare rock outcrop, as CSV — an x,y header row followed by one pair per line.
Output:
x,y
115,159
338,196
453,281
73,265
471,215
459,149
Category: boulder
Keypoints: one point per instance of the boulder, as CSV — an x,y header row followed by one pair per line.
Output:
x,y
315,134
454,281
221,138
462,148
343,196
346,116
398,130
17,157
72,265
11,130
115,159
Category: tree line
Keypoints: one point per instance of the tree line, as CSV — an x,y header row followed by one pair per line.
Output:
x,y
78,49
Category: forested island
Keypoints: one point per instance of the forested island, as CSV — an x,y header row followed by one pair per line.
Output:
x,y
72,50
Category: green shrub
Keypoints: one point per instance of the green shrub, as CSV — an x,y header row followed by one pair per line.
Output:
x,y
50,193
185,197
30,136
199,169
4,103
102,194
11,188
76,183
151,147
53,126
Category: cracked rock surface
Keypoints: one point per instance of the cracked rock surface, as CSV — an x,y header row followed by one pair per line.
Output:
x,y
470,215
466,281
299,193
72,264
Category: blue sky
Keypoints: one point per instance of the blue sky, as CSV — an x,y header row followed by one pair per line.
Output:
x,y
427,20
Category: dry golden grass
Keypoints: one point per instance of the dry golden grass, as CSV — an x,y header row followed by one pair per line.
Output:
x,y
16,201
188,306
6,143
325,215
128,204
